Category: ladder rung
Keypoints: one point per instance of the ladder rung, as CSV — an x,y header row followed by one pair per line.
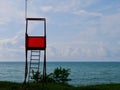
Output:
x,y
35,59
35,55
35,51
34,63
34,67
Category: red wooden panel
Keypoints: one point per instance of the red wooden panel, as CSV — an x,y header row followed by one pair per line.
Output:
x,y
36,42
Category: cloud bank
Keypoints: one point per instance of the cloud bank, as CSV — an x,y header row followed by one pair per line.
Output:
x,y
77,30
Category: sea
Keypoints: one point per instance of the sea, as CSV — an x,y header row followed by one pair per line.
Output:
x,y
81,73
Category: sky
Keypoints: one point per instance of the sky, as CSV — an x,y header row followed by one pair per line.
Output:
x,y
77,30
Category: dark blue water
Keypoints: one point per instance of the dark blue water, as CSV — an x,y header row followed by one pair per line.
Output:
x,y
82,73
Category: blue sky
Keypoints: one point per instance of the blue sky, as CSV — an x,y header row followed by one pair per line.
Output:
x,y
77,30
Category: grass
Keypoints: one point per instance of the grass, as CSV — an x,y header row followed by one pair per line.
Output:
x,y
101,87
52,86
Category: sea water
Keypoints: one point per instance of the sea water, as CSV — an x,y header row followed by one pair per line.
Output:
x,y
82,73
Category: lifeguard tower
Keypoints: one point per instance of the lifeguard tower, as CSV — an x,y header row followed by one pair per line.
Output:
x,y
35,44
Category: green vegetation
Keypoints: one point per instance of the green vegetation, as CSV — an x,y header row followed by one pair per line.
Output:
x,y
53,86
36,76
59,75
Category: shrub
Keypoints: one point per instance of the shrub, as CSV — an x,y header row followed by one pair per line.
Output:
x,y
36,76
59,75
49,78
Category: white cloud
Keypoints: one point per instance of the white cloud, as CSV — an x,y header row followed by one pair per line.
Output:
x,y
79,50
9,11
87,13
62,6
87,3
89,32
3,21
110,25
47,8
11,49
80,12
73,7
89,40
69,6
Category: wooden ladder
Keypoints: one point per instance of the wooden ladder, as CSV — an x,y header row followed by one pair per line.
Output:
x,y
34,64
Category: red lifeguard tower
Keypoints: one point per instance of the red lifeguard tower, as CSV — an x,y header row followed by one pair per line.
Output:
x,y
35,44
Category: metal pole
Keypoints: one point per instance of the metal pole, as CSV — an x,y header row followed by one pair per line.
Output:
x,y
26,63
26,68
25,9
44,65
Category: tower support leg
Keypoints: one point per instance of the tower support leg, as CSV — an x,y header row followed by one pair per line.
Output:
x,y
44,67
26,68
